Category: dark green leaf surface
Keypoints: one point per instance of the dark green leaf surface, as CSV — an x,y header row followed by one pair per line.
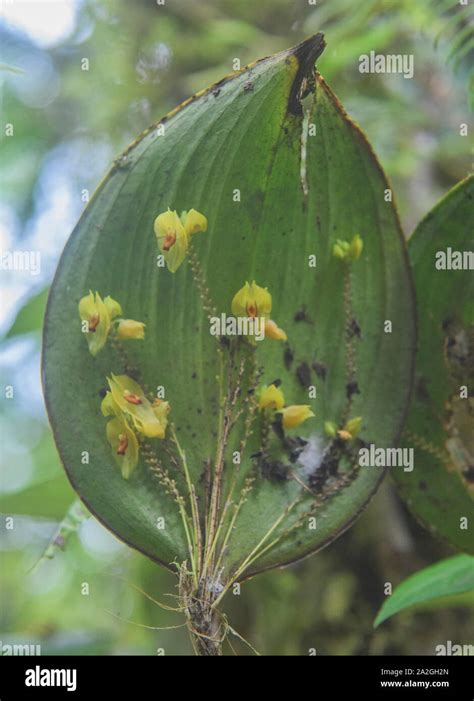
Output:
x,y
440,426
244,133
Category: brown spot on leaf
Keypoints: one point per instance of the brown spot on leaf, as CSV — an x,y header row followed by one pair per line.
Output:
x,y
320,369
303,373
288,357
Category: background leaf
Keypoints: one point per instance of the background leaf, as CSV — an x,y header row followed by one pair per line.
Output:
x,y
446,578
72,519
30,316
440,426
49,498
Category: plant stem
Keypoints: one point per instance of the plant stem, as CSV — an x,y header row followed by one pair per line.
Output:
x,y
197,536
256,552
207,627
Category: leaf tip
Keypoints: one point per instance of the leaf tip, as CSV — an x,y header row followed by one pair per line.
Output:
x,y
306,55
309,50
380,618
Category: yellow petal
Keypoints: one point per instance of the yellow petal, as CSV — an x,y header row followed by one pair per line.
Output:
x,y
263,299
330,428
353,426
87,306
239,302
176,255
93,310
273,331
340,249
194,222
113,307
356,247
161,409
167,222
295,414
109,406
124,444
271,397
128,328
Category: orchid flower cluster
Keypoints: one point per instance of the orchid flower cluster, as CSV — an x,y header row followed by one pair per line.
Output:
x,y
133,417
133,414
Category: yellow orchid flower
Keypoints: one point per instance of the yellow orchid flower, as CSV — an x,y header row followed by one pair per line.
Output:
x,y
99,314
351,429
271,397
349,251
128,328
124,444
173,234
295,414
130,399
252,300
193,222
172,239
256,302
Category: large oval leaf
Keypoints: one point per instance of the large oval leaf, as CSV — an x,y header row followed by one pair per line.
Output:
x,y
278,191
440,426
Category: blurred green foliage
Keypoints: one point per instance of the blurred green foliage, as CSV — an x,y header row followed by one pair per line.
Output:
x,y
142,59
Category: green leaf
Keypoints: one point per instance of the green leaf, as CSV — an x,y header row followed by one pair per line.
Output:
x,y
446,578
456,30
440,425
47,499
31,316
242,136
